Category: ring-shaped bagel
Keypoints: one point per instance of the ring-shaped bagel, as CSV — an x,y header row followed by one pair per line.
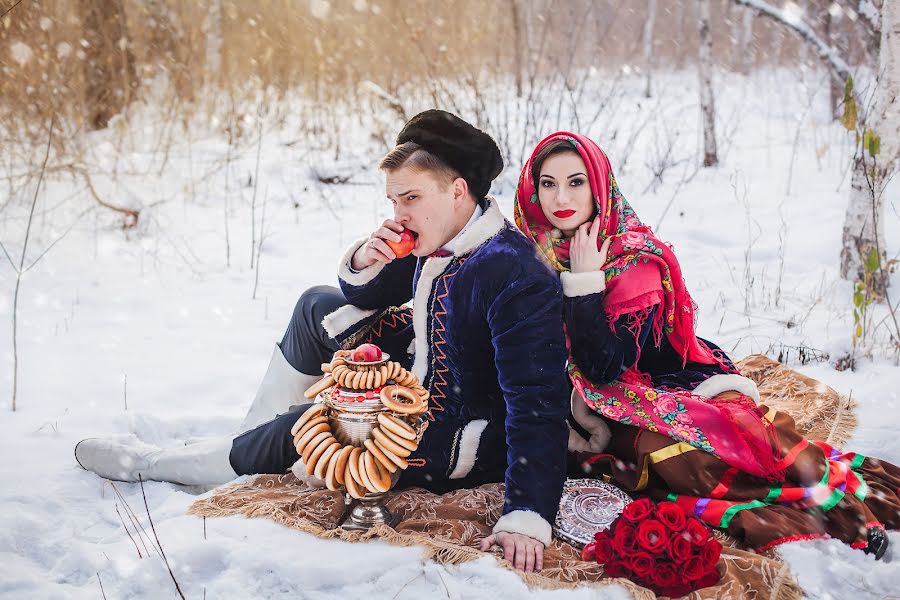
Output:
x,y
388,443
311,413
390,397
378,475
313,444
397,460
319,461
311,433
380,456
392,424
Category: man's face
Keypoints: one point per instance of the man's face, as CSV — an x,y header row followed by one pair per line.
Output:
x,y
424,204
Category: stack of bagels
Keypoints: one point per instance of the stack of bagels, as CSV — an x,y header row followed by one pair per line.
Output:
x,y
367,469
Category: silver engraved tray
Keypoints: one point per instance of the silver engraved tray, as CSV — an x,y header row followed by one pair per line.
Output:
x,y
586,507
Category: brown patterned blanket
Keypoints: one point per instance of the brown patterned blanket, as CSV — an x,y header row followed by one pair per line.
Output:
x,y
449,527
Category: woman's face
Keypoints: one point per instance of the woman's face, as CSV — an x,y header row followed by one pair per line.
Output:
x,y
564,192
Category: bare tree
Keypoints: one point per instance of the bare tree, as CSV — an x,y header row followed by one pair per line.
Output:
x,y
519,44
21,269
707,101
109,66
648,44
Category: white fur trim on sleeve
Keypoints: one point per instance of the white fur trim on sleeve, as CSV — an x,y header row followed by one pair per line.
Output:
x,y
728,382
362,277
582,284
468,448
526,522
340,320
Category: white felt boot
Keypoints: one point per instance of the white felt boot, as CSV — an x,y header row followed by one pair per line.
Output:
x,y
281,388
204,463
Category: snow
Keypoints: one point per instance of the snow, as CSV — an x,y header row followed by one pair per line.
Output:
x,y
154,317
21,53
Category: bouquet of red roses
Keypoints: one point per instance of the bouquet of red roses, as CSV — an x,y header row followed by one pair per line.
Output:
x,y
658,547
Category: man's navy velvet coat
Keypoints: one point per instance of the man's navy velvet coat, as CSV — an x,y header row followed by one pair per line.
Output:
x,y
489,346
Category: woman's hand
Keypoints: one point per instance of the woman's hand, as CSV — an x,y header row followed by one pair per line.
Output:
x,y
375,249
525,553
584,256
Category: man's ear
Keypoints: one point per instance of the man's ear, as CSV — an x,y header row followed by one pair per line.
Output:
x,y
460,191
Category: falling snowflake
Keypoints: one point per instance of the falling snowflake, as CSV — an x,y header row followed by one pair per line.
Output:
x,y
320,9
21,53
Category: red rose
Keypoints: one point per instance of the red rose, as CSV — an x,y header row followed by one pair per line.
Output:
x,y
616,568
680,547
623,539
666,575
671,515
710,553
603,549
698,532
638,510
642,564
694,568
652,536
710,578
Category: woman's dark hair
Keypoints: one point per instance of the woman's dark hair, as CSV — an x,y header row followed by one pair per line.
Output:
x,y
554,147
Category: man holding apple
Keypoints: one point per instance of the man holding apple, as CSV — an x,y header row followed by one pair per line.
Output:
x,y
484,336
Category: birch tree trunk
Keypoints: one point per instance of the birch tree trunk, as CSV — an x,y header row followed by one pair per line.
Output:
x,y
707,101
745,48
873,166
648,44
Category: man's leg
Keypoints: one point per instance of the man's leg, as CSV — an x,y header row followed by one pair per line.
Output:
x,y
268,448
296,362
295,365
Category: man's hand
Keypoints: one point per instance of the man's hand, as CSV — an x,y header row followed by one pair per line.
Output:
x,y
525,553
375,250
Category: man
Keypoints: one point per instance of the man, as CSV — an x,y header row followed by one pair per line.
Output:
x,y
484,336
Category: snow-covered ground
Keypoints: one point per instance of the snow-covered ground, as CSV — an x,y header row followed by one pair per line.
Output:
x,y
154,318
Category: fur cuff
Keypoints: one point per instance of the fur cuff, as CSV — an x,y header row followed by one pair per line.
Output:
x,y
582,284
729,382
526,522
362,277
339,321
468,448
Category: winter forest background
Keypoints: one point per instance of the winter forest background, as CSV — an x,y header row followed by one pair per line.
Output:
x,y
174,174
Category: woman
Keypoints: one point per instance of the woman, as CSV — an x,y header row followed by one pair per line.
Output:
x,y
678,421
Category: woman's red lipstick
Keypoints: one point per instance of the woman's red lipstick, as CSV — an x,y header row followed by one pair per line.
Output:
x,y
563,214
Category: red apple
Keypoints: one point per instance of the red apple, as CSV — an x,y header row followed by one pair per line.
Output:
x,y
366,353
405,245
